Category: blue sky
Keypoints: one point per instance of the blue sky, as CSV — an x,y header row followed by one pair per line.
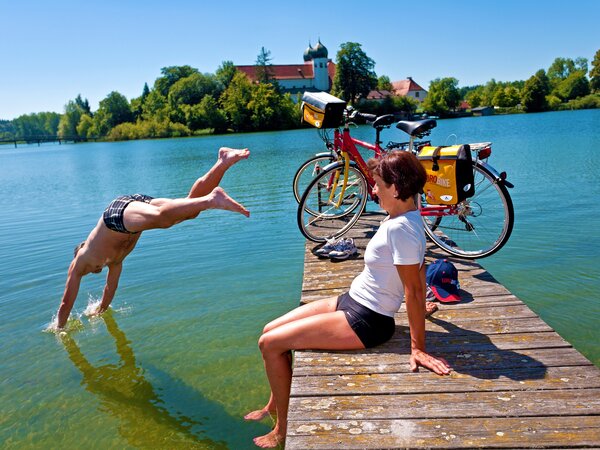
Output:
x,y
51,51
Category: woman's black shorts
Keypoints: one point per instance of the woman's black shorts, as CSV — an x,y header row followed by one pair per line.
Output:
x,y
371,327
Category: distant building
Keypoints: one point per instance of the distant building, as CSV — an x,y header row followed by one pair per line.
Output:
x,y
379,94
316,74
483,111
402,88
409,88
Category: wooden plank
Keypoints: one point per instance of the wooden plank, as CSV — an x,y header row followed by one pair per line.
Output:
x,y
529,378
533,432
448,405
379,361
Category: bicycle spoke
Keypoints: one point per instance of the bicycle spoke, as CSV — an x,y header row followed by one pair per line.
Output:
x,y
332,203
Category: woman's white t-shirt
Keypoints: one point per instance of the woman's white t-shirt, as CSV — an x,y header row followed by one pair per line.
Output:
x,y
398,241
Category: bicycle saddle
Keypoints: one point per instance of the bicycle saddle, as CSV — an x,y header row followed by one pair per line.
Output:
x,y
416,128
383,121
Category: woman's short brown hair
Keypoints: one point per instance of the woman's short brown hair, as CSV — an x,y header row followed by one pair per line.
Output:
x,y
403,170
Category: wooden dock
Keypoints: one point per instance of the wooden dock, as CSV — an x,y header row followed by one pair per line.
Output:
x,y
516,383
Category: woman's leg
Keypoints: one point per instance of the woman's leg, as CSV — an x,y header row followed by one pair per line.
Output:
x,y
211,179
328,330
306,310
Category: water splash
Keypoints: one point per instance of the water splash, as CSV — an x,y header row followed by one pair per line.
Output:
x,y
93,304
74,323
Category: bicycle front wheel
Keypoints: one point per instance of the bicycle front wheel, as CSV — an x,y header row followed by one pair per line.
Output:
x,y
478,226
332,203
308,171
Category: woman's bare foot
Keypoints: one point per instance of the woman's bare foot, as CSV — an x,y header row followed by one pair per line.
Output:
x,y
271,440
220,200
430,308
229,156
259,414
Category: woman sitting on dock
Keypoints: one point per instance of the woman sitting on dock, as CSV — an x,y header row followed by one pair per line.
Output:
x,y
363,317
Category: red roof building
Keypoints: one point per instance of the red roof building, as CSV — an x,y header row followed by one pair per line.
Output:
x,y
316,74
409,88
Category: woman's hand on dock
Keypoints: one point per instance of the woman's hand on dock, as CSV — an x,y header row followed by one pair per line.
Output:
x,y
421,358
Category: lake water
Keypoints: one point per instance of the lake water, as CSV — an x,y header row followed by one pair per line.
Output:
x,y
175,364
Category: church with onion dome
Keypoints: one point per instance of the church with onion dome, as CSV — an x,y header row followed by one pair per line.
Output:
x,y
315,74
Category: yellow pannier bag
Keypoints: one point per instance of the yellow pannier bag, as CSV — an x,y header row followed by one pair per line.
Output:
x,y
322,110
449,174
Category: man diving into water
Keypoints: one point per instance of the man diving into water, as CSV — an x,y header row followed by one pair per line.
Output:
x,y
123,221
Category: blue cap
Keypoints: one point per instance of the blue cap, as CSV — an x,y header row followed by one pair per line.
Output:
x,y
442,278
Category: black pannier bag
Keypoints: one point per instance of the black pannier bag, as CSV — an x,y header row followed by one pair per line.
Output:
x,y
322,110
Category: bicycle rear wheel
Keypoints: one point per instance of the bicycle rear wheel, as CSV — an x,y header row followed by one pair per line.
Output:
x,y
481,224
308,171
327,209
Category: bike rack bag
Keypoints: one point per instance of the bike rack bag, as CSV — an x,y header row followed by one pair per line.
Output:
x,y
322,110
449,174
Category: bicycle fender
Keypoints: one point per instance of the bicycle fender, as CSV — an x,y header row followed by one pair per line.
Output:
x,y
333,164
499,177
323,154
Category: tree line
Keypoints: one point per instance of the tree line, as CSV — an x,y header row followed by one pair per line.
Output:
x,y
185,102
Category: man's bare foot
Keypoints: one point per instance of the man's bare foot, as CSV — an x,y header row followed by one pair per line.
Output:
x,y
430,308
271,440
229,156
259,414
221,200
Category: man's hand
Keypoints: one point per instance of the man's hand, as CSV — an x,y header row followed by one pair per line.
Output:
x,y
421,358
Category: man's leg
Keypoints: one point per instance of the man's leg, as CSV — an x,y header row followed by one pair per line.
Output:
x,y
211,179
164,213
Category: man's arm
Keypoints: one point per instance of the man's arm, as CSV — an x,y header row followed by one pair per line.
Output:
x,y
70,294
112,282
414,296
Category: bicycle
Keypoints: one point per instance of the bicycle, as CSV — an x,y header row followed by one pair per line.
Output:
x,y
346,181
476,227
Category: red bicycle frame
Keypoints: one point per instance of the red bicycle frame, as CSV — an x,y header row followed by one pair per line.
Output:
x,y
344,143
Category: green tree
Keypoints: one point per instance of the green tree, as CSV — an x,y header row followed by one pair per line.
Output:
x,y
234,102
563,68
225,73
442,97
405,104
560,69
83,105
70,119
112,111
190,90
475,97
137,104
574,86
170,76
84,126
595,73
145,92
506,97
354,76
36,124
533,95
212,116
263,107
155,107
264,68
384,83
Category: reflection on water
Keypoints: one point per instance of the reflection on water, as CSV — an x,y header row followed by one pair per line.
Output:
x,y
124,392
